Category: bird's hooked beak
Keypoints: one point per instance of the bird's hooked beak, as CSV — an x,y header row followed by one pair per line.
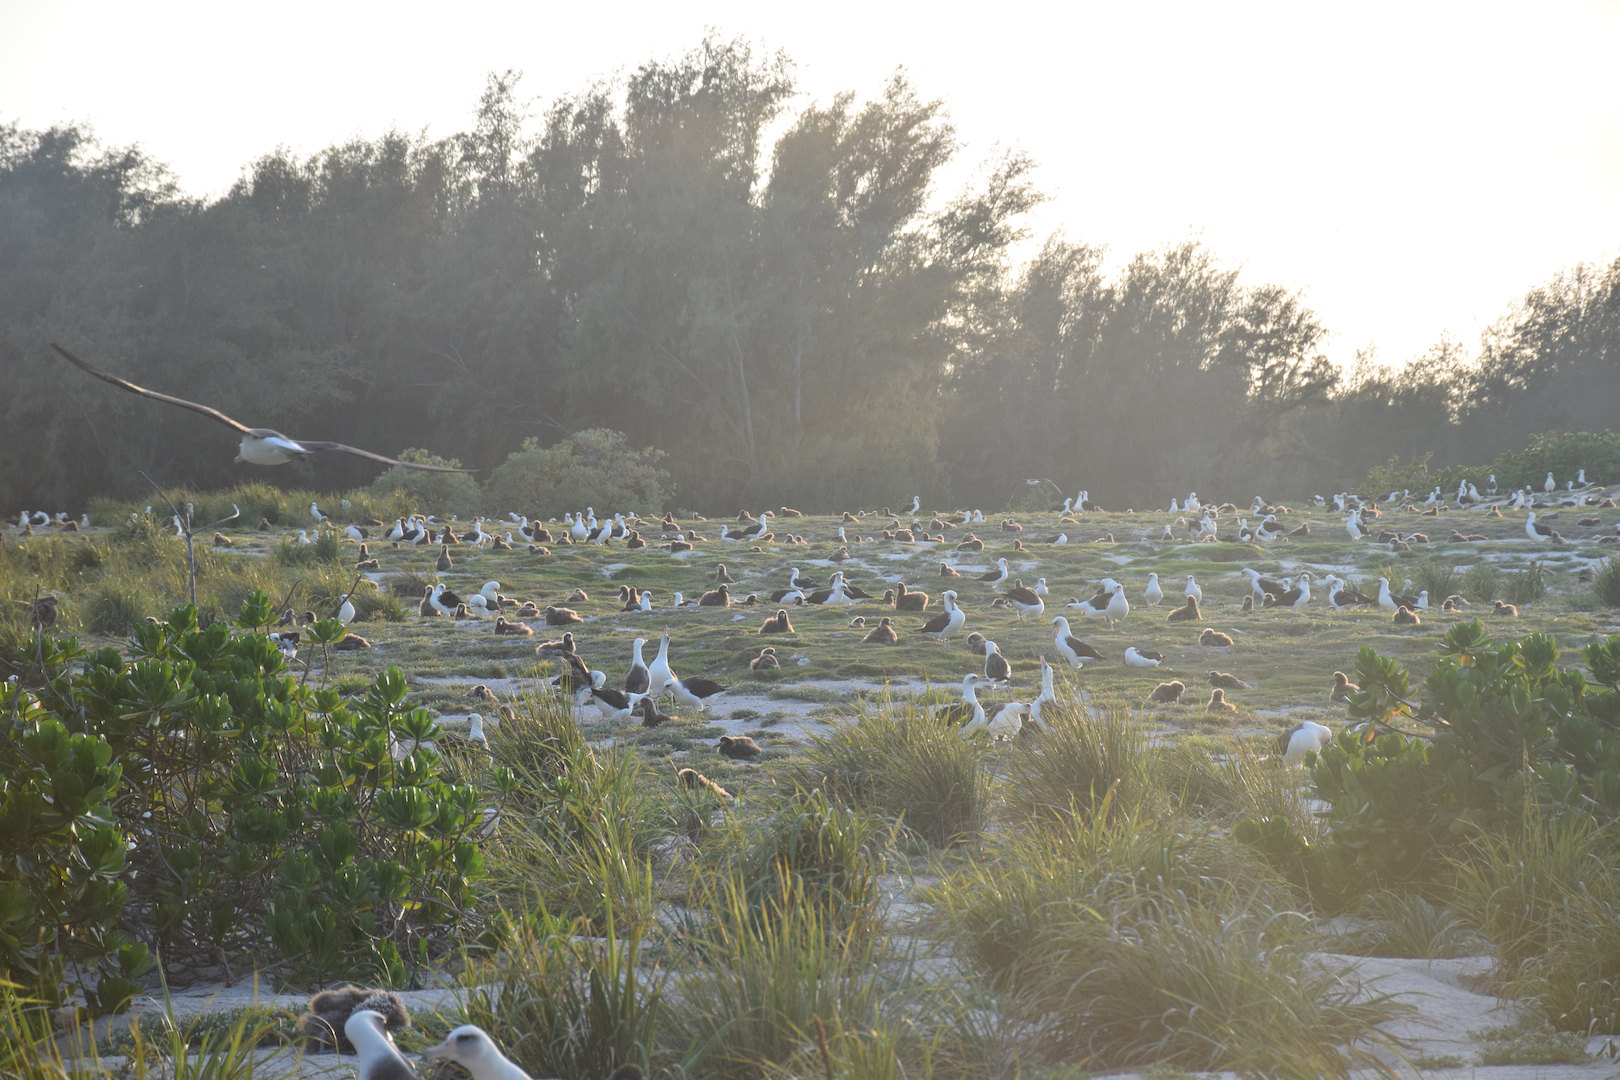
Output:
x,y
445,1049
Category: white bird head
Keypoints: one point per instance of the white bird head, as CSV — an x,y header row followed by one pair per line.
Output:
x,y
470,1046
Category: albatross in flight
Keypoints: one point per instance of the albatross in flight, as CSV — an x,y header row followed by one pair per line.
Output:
x,y
260,446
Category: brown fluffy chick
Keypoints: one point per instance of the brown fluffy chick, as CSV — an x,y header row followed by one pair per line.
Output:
x,y
765,661
1227,682
882,634
738,747
1213,639
1187,612
1218,702
1342,687
777,624
329,1010
1405,616
1168,692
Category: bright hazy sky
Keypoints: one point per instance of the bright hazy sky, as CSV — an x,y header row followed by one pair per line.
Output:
x,y
1413,166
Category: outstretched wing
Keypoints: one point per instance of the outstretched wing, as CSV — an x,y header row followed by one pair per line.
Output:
x,y
357,452
124,384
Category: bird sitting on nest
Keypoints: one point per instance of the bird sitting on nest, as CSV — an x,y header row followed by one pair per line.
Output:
x,y
329,1010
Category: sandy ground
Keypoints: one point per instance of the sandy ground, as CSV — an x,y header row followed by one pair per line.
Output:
x,y
1444,993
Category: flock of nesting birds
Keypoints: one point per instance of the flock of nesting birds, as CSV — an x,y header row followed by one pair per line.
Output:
x,y
647,683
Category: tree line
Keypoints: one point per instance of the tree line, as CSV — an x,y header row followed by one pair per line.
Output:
x,y
802,322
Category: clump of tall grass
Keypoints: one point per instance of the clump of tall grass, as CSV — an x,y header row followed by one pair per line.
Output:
x,y
1231,780
756,984
1410,926
1439,577
1122,940
1082,756
541,739
1527,585
1201,986
563,998
1547,896
292,553
831,852
116,610
1606,582
1034,884
581,840
907,766
1481,583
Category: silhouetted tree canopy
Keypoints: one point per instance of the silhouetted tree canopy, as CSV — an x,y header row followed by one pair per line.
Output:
x,y
810,321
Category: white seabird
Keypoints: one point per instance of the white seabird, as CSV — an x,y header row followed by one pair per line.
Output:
x,y
259,446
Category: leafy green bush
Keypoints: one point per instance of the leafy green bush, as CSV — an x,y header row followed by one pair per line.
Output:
x,y
1562,455
62,857
258,812
595,467
1508,724
442,493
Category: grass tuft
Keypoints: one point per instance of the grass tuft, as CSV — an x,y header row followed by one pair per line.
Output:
x,y
1606,582
1408,926
566,999
1082,757
906,766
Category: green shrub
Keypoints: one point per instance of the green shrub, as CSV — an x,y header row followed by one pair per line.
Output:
x,y
62,858
440,493
595,467
1509,725
265,814
906,767
1561,455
